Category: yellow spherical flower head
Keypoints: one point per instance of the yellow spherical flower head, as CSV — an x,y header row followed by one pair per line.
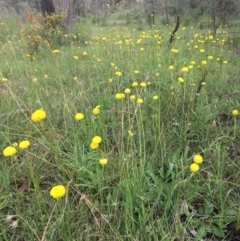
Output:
x,y
139,101
118,96
171,67
127,91
94,146
15,144
118,73
4,79
235,112
132,97
155,97
134,84
198,159
96,139
130,133
79,116
9,151
56,51
180,79
24,144
136,72
143,84
38,115
194,167
204,62
58,191
96,110
184,69
103,162
210,57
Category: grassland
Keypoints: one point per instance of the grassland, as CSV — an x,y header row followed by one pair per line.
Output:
x,y
150,136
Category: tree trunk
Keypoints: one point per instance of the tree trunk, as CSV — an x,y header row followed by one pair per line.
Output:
x,y
166,6
67,5
214,17
47,7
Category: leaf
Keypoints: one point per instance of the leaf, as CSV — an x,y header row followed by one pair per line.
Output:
x,y
218,232
208,209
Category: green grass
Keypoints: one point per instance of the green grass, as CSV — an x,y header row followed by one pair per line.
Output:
x,y
146,191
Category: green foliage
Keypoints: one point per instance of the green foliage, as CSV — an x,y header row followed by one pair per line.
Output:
x,y
146,191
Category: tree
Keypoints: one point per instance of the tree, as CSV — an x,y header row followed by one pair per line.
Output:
x,y
46,7
67,5
150,7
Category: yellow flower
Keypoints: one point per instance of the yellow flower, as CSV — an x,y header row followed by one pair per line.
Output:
x,y
174,51
132,97
171,67
79,116
45,76
24,144
203,83
4,79
96,139
94,146
194,167
157,74
193,62
134,84
84,53
118,73
130,133
235,112
38,115
139,101
202,50
190,66
103,162
136,72
198,159
225,62
195,46
184,69
143,84
56,51
127,91
15,144
204,62
141,49
58,191
96,110
180,79
155,97
34,79
9,151
110,80
210,57
118,96
75,57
